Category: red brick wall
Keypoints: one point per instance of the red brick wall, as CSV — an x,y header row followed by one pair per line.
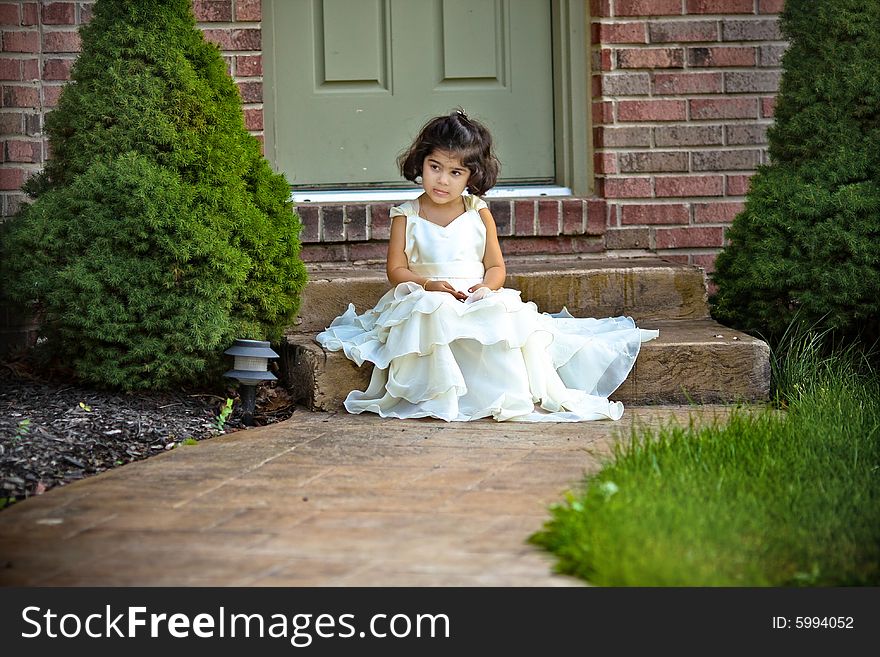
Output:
x,y
526,226
682,94
38,44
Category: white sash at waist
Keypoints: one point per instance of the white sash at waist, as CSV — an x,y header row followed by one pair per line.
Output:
x,y
460,275
469,270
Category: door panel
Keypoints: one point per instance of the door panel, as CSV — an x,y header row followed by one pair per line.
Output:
x,y
350,82
473,39
352,46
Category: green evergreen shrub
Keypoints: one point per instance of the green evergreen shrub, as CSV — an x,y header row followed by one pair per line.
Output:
x,y
158,233
808,240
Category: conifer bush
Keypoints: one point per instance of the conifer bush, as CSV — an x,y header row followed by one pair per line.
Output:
x,y
808,240
157,232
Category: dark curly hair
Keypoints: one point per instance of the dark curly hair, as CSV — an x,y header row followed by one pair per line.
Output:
x,y
468,139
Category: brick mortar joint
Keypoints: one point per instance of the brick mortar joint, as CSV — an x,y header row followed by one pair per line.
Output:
x,y
230,25
693,148
683,17
41,61
368,218
685,69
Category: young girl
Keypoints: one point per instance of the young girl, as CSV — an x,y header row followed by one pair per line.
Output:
x,y
448,341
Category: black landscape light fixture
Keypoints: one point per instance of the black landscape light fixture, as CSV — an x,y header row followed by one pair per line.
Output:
x,y
250,369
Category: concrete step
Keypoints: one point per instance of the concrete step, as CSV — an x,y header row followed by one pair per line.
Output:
x,y
642,288
693,360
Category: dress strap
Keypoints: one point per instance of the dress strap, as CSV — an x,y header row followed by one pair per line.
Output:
x,y
472,202
403,210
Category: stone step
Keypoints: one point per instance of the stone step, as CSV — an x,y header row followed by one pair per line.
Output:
x,y
693,360
642,288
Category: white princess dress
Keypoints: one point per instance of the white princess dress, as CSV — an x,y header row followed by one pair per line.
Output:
x,y
496,357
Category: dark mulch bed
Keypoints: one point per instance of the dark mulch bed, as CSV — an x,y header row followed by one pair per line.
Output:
x,y
53,433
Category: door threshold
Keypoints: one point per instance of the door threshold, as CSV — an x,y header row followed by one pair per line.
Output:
x,y
361,195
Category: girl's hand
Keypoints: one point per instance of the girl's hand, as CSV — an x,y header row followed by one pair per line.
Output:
x,y
444,286
478,291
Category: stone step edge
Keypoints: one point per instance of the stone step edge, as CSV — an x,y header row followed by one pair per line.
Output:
x,y
650,291
687,364
331,271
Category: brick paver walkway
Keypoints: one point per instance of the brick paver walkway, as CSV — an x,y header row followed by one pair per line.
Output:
x,y
322,499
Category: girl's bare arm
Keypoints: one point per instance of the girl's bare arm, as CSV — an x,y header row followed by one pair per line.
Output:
x,y
396,265
493,261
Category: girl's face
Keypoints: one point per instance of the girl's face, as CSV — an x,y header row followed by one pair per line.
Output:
x,y
444,177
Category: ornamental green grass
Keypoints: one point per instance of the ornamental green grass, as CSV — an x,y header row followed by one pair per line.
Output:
x,y
158,233
770,498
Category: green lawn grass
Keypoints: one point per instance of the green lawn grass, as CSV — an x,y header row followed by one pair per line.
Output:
x,y
770,498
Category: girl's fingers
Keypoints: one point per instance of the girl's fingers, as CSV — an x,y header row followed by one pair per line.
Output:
x,y
447,287
461,296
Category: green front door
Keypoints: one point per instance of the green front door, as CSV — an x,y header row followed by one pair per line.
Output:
x,y
349,83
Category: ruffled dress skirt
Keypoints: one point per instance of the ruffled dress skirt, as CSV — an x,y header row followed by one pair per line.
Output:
x,y
497,357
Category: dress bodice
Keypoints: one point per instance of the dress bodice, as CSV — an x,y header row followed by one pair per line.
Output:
x,y
453,252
